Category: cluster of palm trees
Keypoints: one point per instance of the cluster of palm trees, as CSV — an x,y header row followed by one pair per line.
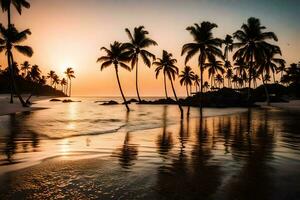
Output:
x,y
65,83
255,58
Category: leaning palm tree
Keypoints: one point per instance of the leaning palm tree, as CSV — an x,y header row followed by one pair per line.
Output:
x,y
70,74
252,45
186,78
204,44
167,65
137,48
25,67
196,82
116,55
11,39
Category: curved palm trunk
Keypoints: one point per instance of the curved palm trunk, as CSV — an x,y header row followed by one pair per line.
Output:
x,y
165,83
10,60
250,76
180,108
136,80
266,90
117,75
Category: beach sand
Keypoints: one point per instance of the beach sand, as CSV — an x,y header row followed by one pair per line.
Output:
x,y
7,108
291,105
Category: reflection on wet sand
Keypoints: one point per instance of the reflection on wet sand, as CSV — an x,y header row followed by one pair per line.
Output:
x,y
249,155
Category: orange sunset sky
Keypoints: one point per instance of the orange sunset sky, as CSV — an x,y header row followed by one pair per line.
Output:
x,y
69,33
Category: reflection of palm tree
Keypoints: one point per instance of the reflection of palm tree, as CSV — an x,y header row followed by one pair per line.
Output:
x,y
116,56
167,65
164,141
186,78
138,42
10,40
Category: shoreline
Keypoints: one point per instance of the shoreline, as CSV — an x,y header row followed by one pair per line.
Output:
x,y
6,108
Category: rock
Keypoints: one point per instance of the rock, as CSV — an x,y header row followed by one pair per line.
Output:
x,y
69,101
111,102
55,100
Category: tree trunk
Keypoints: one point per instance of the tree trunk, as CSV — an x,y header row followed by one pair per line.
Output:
x,y
10,63
201,80
125,102
187,91
266,90
180,108
165,83
250,73
70,87
136,80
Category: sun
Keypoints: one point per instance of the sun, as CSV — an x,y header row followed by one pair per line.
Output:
x,y
64,65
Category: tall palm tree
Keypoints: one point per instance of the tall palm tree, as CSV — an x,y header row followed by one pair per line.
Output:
x,y
204,44
63,83
25,67
167,65
56,80
70,74
116,55
214,66
137,47
241,69
186,78
18,4
196,82
252,45
11,39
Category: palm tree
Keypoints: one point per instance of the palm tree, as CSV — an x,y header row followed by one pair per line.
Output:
x,y
241,69
25,66
229,75
167,65
228,41
204,44
219,80
51,76
35,73
117,55
70,74
196,81
206,86
137,47
10,40
214,66
63,83
18,4
186,78
43,80
56,80
252,45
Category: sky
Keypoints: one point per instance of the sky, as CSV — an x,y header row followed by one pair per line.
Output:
x,y
69,33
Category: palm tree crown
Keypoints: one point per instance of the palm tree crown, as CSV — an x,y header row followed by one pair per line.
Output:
x,y
137,47
187,77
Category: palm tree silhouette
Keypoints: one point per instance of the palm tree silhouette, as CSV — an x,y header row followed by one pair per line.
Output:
x,y
51,76
63,83
35,76
204,44
70,74
229,75
137,47
56,80
219,80
117,55
205,86
25,66
241,69
10,40
6,5
196,82
167,65
214,66
186,78
252,45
